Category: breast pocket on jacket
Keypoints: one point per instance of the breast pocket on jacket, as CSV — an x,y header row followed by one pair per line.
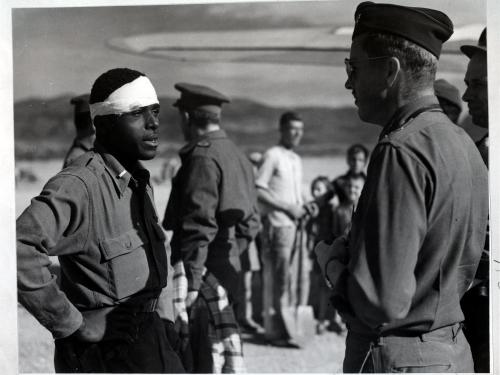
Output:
x,y
128,264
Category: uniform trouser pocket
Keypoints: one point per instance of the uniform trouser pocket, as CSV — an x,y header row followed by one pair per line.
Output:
x,y
437,352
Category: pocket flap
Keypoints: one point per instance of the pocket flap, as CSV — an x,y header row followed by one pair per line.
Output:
x,y
120,245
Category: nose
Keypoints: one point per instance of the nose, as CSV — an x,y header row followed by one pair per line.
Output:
x,y
467,95
347,83
152,119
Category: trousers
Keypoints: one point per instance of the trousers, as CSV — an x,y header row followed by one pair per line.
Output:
x,y
277,245
143,347
442,350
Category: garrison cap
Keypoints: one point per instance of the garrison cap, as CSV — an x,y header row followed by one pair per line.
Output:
x,y
425,27
81,103
469,50
199,97
447,91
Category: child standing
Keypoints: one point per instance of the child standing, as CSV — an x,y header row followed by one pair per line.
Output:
x,y
341,222
319,228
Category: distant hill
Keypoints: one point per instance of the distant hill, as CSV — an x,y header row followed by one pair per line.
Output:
x,y
44,128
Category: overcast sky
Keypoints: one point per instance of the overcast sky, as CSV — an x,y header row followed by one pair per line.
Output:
x,y
63,50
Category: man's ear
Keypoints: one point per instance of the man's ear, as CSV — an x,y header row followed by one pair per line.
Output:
x,y
103,125
393,69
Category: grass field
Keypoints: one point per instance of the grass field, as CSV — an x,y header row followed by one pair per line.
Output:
x,y
323,354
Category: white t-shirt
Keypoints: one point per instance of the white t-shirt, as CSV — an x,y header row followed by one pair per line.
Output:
x,y
281,174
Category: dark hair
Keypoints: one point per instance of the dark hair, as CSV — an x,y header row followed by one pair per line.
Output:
x,y
108,82
356,148
325,180
287,117
415,60
201,119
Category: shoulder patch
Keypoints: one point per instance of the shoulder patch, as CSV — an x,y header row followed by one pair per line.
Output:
x,y
204,143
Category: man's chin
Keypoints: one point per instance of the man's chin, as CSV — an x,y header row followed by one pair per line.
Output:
x,y
148,156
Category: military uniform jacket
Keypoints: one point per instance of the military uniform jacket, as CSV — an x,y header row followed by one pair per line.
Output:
x,y
419,227
100,221
212,209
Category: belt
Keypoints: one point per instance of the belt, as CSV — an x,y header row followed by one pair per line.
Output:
x,y
446,332
146,306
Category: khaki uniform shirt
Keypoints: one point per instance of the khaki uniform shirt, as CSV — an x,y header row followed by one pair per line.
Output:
x,y
101,222
419,227
212,210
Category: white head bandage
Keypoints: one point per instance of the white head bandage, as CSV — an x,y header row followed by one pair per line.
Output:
x,y
130,97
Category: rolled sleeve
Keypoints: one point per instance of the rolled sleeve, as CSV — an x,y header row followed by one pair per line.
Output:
x,y
388,231
266,171
58,216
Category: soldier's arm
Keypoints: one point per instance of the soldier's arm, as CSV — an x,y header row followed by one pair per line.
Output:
x,y
247,229
381,282
199,201
59,213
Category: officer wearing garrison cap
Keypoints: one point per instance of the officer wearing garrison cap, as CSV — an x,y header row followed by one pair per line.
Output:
x,y
212,206
98,217
85,132
475,303
419,227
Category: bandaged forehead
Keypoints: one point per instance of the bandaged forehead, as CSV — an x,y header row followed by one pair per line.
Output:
x,y
130,97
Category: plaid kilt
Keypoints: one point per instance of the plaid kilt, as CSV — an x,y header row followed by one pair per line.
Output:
x,y
223,332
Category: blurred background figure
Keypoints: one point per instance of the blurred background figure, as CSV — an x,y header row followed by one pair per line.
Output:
x,y
357,160
168,170
341,224
319,228
449,99
475,302
279,189
85,132
250,278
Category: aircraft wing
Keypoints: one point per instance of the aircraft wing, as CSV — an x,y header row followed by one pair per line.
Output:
x,y
303,46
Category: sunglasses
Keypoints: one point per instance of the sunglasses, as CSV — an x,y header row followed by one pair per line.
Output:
x,y
349,63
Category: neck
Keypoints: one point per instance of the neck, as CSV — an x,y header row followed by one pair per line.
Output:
x,y
402,98
287,146
85,132
123,158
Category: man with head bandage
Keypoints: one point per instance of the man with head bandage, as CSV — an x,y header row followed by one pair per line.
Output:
x,y
99,218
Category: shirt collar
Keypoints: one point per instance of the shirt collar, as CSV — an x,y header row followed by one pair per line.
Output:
x,y
216,134
404,113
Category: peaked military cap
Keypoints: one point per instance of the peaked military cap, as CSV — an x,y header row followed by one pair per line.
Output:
x,y
425,27
469,50
447,91
199,97
81,103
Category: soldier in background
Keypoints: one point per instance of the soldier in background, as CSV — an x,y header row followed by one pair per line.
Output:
x,y
85,131
475,302
212,211
449,99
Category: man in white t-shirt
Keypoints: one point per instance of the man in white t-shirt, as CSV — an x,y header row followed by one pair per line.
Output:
x,y
278,184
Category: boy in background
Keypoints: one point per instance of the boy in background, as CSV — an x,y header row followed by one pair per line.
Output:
x,y
319,228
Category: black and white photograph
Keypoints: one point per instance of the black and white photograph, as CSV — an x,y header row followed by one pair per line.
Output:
x,y
250,186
